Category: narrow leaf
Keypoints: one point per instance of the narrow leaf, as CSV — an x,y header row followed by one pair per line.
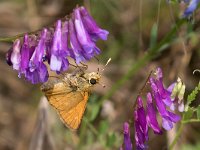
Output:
x,y
198,112
154,32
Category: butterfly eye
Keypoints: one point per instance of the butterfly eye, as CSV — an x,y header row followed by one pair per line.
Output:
x,y
93,81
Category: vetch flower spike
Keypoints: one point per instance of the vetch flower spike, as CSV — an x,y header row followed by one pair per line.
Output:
x,y
75,37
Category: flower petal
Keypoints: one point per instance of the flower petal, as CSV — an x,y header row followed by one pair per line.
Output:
x,y
75,45
151,115
91,26
142,117
25,54
16,56
127,139
82,34
191,8
139,135
166,124
38,54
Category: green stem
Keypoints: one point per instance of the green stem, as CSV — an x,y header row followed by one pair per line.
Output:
x,y
11,39
93,129
180,130
176,137
190,121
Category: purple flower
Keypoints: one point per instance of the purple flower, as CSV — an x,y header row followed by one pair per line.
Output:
x,y
25,55
37,70
151,115
15,57
91,26
191,8
163,99
70,38
83,36
141,128
58,60
75,45
65,38
166,115
127,138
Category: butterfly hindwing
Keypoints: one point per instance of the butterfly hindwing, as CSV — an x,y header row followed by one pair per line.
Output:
x,y
69,103
72,118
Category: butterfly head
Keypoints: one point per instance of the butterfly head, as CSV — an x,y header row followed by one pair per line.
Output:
x,y
93,77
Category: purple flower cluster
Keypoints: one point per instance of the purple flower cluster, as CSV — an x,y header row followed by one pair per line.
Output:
x,y
74,37
161,99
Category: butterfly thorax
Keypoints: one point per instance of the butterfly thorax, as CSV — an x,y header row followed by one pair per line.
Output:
x,y
74,82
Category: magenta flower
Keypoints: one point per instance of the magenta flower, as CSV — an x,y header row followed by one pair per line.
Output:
x,y
162,100
25,55
71,38
141,128
127,139
151,115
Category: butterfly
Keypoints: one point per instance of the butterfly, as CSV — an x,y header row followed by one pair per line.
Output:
x,y
69,94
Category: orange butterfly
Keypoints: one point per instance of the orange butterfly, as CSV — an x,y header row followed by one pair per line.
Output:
x,y
69,95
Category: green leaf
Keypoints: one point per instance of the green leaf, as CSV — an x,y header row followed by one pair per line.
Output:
x,y
111,139
94,112
198,112
103,127
154,32
192,96
188,114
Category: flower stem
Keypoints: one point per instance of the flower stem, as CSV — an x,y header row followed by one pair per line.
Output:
x,y
190,121
176,137
11,39
180,130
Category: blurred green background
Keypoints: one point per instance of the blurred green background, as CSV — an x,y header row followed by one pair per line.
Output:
x,y
136,27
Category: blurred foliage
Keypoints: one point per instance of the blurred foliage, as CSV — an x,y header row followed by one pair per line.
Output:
x,y
191,147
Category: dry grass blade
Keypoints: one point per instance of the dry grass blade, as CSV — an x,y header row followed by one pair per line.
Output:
x,y
42,138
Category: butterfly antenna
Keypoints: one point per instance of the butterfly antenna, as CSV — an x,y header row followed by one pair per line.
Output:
x,y
109,60
102,85
98,64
